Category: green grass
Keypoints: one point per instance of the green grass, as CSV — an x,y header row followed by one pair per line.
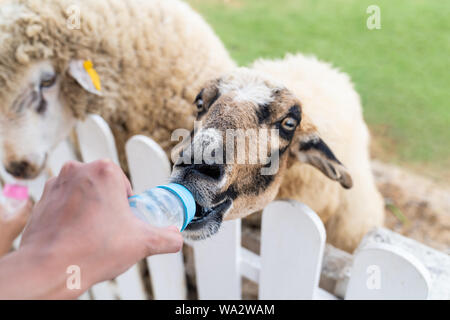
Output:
x,y
401,71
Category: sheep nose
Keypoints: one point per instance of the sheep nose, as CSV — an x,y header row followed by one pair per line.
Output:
x,y
212,171
19,169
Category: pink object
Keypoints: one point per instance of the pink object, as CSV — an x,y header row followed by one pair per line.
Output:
x,y
15,191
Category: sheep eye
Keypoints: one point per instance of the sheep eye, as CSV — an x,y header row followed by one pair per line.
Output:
x,y
289,124
47,83
199,104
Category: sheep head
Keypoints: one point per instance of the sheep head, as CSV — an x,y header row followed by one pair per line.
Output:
x,y
38,117
249,129
42,80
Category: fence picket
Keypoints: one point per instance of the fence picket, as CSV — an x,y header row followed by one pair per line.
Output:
x,y
149,167
85,296
250,265
292,246
96,139
62,153
217,266
104,291
147,162
383,272
97,142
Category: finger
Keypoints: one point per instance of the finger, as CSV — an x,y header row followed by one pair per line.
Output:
x,y
107,169
162,240
68,169
173,228
126,181
128,187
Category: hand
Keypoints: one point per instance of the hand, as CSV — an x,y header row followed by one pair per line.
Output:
x,y
11,225
84,219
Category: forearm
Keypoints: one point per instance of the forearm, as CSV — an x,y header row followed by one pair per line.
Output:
x,y
33,274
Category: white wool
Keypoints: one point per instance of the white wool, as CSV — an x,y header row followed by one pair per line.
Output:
x,y
248,85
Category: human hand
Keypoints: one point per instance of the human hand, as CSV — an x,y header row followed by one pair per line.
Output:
x,y
84,219
12,224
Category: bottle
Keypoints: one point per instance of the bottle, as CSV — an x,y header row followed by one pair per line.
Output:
x,y
167,205
13,197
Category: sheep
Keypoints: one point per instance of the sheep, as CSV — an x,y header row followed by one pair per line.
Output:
x,y
149,59
139,65
319,118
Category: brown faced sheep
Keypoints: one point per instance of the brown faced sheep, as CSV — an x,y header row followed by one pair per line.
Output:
x,y
151,57
318,117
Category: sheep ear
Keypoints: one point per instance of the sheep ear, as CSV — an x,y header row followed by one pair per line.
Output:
x,y
311,149
85,75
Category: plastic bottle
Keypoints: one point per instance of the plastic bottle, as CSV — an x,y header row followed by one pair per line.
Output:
x,y
163,206
13,197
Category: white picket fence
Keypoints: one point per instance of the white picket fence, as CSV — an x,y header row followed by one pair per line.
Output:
x,y
292,244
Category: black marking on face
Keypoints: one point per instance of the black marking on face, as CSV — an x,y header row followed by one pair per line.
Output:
x,y
231,193
214,99
295,112
42,107
283,150
320,146
201,113
263,113
258,185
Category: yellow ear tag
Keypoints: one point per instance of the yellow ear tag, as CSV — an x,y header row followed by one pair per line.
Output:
x,y
89,67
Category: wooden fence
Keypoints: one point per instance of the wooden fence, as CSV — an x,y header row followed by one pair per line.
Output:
x,y
292,245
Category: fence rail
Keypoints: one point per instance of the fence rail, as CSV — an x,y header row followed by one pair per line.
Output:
x,y
292,244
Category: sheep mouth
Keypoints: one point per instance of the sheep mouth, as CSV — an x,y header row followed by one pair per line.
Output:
x,y
205,215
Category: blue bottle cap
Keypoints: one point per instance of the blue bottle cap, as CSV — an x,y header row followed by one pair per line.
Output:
x,y
186,198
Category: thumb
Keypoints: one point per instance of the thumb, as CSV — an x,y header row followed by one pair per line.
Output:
x,y
162,240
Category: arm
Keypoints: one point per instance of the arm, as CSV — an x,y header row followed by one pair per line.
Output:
x,y
29,274
82,219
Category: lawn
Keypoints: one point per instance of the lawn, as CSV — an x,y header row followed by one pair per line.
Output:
x,y
402,71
